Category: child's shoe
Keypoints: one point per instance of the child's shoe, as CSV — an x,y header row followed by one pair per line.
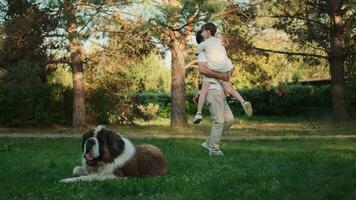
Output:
x,y
197,118
246,105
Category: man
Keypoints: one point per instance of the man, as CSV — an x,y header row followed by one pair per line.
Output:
x,y
218,107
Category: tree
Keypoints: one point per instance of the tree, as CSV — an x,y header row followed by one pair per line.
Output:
x,y
326,27
253,68
70,14
173,25
25,29
25,92
73,20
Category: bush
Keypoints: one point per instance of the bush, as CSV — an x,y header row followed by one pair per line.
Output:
x,y
148,112
108,108
26,99
288,100
283,100
163,100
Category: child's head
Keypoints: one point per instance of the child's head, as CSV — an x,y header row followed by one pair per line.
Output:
x,y
198,37
208,30
223,38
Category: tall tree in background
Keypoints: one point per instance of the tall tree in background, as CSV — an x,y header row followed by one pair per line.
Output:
x,y
25,92
74,24
327,26
70,14
174,24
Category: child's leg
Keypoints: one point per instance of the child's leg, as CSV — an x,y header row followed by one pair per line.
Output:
x,y
230,90
245,104
202,96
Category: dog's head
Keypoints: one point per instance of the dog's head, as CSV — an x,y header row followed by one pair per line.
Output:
x,y
100,144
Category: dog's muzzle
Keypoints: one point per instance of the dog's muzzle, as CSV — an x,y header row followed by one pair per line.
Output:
x,y
90,149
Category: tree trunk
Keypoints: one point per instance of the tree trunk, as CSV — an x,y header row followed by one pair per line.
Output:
x,y
76,65
337,61
338,88
178,114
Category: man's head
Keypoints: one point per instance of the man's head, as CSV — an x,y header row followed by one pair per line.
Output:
x,y
208,30
198,37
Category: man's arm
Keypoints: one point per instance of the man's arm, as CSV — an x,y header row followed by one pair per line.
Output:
x,y
203,69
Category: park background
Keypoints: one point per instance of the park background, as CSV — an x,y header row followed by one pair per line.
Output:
x,y
77,63
69,65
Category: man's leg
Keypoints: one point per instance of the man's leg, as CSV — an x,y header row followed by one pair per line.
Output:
x,y
228,116
215,101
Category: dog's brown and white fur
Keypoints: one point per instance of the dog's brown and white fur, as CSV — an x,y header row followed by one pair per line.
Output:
x,y
107,155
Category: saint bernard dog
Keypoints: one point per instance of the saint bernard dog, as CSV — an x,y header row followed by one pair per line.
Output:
x,y
108,155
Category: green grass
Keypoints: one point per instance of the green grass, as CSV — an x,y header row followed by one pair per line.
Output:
x,y
255,126
31,169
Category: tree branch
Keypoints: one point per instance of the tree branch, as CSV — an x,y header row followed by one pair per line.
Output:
x,y
190,64
296,17
190,21
59,61
291,53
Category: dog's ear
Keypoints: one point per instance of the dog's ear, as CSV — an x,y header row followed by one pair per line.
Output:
x,y
86,136
115,143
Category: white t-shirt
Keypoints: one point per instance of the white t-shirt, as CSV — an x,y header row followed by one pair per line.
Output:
x,y
215,85
215,55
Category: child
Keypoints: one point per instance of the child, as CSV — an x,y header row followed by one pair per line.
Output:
x,y
217,60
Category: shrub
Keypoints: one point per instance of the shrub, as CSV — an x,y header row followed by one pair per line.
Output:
x,y
282,100
108,108
26,99
148,112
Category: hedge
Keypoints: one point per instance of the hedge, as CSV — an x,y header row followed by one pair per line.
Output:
x,y
51,104
285,100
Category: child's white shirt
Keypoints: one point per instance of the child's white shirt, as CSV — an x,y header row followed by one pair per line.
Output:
x,y
216,85
215,54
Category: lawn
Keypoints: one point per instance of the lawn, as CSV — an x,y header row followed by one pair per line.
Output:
x,y
31,169
254,126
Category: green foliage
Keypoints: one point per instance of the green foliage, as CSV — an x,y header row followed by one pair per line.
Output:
x,y
351,79
25,28
288,100
150,74
247,26
148,112
106,107
111,88
282,100
312,25
61,75
163,100
192,79
27,97
25,100
176,16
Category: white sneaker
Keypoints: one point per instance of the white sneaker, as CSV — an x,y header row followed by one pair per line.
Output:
x,y
215,153
205,145
197,118
247,108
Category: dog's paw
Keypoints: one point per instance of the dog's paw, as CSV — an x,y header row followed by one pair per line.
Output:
x,y
68,180
79,171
